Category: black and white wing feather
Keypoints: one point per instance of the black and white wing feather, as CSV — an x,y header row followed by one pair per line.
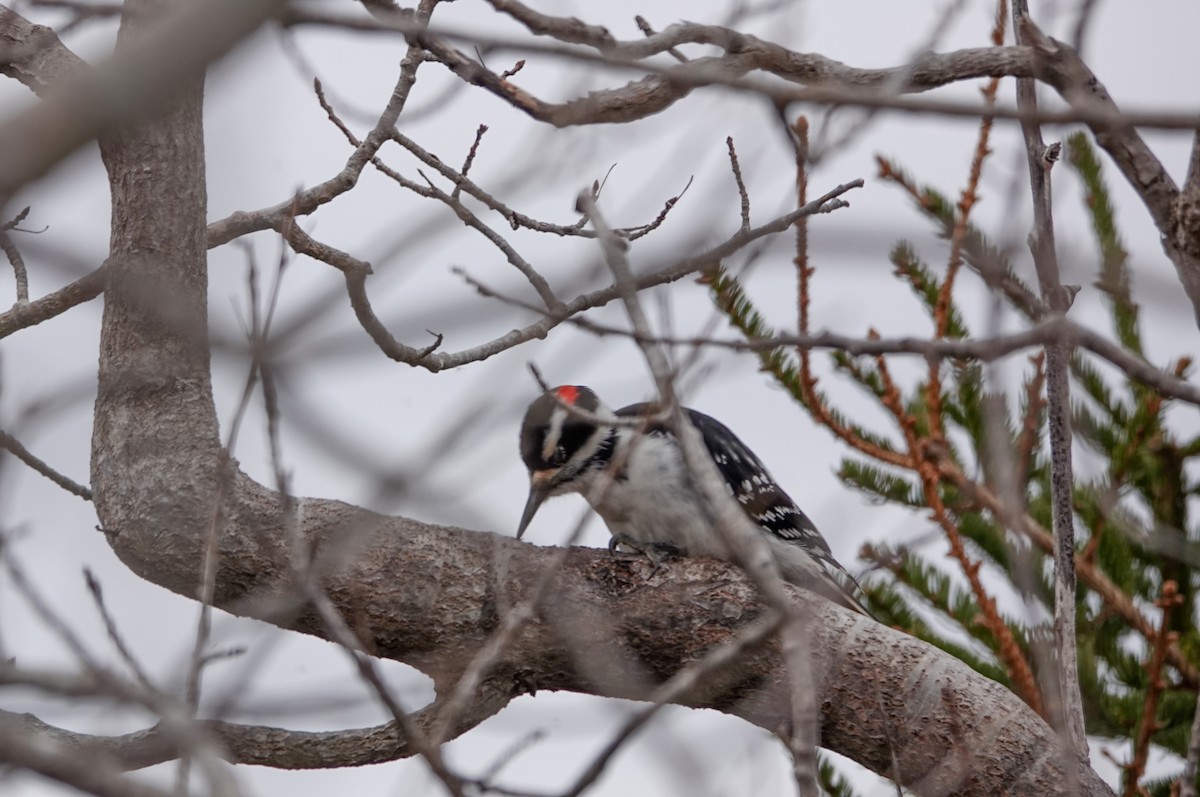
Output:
x,y
770,508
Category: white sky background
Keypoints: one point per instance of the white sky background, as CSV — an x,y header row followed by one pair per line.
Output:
x,y
266,136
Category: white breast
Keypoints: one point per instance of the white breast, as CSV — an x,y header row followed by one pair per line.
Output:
x,y
652,499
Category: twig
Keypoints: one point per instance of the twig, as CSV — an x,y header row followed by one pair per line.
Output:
x,y
306,202
14,257
678,685
749,548
741,185
1155,685
645,28
355,272
1041,158
176,721
114,634
632,234
988,349
19,451
81,290
466,167
919,451
966,202
341,633
828,82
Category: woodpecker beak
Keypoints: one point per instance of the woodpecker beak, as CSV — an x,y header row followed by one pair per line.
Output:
x,y
539,490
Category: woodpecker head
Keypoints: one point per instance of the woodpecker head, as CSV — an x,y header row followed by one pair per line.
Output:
x,y
559,445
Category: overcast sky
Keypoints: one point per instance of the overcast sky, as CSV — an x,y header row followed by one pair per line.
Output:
x,y
352,415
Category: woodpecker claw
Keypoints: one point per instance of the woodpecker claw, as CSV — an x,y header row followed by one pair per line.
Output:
x,y
656,553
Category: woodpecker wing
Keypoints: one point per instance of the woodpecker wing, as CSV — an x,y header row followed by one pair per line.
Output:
x,y
765,502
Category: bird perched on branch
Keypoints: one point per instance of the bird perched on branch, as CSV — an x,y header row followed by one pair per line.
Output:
x,y
630,468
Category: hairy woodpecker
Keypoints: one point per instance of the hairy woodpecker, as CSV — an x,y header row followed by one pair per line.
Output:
x,y
634,476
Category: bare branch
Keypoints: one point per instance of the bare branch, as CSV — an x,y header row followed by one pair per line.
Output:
x,y
258,745
135,80
1053,329
356,271
674,689
739,536
33,54
307,201
15,259
19,451
81,290
89,774
828,82
114,634
1174,215
1041,159
741,184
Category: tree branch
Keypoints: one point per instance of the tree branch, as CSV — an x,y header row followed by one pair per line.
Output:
x,y
260,745
97,101
33,54
89,774
81,290
13,445
1041,158
1176,215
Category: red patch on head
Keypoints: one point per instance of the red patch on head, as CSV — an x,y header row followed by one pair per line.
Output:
x,y
567,393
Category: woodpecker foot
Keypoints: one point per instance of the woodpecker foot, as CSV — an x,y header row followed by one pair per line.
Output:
x,y
655,552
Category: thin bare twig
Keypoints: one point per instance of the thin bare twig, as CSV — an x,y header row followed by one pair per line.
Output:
x,y
14,257
355,272
114,634
175,719
738,534
81,290
1041,158
19,451
466,167
987,349
675,687
741,184
307,201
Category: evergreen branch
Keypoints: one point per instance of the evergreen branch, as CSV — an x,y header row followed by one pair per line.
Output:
x,y
891,608
741,313
1009,652
1033,418
881,484
832,782
1114,272
1113,596
958,235
988,261
1149,720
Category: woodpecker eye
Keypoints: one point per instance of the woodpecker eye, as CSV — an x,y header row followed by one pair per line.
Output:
x,y
574,435
558,458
